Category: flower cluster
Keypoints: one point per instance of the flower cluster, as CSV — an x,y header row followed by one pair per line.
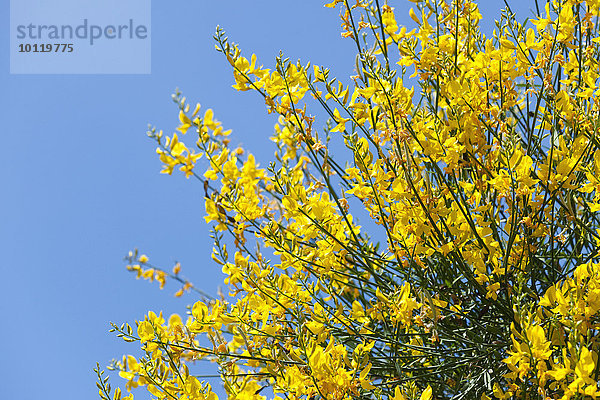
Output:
x,y
473,164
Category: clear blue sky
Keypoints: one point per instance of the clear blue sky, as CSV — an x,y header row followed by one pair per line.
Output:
x,y
81,183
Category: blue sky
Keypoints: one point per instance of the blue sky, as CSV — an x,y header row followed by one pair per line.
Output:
x,y
81,183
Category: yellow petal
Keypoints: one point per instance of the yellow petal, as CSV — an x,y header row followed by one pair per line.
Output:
x,y
427,393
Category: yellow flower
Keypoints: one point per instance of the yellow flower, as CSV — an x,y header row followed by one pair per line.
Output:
x,y
145,331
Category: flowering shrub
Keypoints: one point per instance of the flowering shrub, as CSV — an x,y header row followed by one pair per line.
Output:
x,y
475,162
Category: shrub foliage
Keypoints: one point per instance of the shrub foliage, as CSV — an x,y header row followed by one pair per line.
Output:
x,y
473,164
